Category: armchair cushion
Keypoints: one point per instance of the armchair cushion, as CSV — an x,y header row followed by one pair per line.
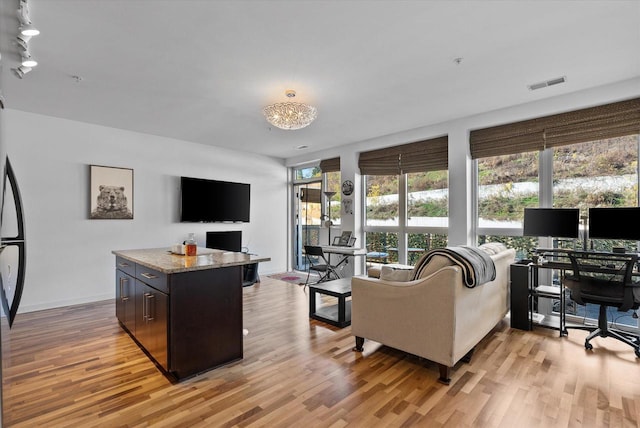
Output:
x,y
396,273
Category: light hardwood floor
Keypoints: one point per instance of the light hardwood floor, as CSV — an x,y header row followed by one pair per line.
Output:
x,y
75,367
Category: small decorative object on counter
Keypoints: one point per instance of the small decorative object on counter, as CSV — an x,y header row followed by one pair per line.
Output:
x,y
191,245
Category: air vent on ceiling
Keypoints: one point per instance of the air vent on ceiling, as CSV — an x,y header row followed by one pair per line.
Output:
x,y
546,83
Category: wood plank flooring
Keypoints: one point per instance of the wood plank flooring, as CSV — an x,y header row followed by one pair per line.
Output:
x,y
75,367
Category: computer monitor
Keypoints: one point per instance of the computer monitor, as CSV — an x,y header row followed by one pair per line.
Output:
x,y
552,222
614,223
228,240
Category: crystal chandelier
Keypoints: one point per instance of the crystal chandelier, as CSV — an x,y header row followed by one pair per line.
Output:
x,y
290,115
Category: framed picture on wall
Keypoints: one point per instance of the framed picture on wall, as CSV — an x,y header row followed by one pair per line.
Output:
x,y
111,190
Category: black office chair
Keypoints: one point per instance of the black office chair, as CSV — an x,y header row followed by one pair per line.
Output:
x,y
604,279
319,264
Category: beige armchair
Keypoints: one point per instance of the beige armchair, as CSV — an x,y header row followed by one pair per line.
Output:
x,y
435,317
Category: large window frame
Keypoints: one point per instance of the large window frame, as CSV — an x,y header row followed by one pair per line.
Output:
x,y
402,229
546,200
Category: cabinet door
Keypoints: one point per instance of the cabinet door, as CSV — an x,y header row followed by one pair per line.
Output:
x,y
151,322
125,301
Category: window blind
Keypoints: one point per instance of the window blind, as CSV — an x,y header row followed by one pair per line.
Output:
x,y
419,156
579,126
330,165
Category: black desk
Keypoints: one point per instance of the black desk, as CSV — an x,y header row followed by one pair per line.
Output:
x,y
525,289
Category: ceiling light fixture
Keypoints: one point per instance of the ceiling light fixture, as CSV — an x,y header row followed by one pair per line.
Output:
x,y
290,115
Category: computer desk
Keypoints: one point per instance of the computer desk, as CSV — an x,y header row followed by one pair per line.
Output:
x,y
525,287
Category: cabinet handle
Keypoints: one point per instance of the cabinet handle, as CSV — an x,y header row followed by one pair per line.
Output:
x,y
149,275
147,307
123,264
123,297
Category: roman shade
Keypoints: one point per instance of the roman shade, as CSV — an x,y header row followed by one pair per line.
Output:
x,y
420,156
590,124
330,165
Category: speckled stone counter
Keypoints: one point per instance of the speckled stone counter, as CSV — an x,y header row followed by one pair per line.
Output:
x,y
184,311
163,260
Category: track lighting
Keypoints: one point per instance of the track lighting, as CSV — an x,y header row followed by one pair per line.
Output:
x,y
21,71
26,31
28,61
29,30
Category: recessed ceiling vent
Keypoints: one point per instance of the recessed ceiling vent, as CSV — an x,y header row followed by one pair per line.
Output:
x,y
546,83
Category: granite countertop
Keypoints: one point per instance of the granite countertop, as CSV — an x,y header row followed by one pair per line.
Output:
x,y
163,260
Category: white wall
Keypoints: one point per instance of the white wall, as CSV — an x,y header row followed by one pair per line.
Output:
x,y
69,257
461,217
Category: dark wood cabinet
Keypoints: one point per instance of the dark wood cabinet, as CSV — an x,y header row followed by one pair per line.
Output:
x,y
151,322
188,322
125,300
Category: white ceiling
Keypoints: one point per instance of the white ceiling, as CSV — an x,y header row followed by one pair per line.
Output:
x,y
201,71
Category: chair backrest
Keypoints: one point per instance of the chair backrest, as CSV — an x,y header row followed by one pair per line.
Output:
x,y
313,250
602,278
315,255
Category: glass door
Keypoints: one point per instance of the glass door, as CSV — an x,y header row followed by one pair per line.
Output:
x,y
308,219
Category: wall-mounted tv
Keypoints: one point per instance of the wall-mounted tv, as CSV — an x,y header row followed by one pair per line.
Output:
x,y
614,223
553,222
214,201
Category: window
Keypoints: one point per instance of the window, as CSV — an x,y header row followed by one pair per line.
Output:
x,y
507,185
586,158
406,196
382,202
601,173
395,237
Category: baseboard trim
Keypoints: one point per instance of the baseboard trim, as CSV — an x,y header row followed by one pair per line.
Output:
x,y
62,303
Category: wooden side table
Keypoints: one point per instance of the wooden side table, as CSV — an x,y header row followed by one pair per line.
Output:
x,y
337,315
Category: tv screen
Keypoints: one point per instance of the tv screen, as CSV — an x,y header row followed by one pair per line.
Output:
x,y
228,240
553,222
614,223
214,201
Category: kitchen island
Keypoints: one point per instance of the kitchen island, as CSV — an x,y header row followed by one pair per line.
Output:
x,y
185,312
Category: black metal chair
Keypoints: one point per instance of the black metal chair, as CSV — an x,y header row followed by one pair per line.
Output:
x,y
319,264
604,279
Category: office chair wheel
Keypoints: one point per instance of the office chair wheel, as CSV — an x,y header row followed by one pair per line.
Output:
x,y
588,346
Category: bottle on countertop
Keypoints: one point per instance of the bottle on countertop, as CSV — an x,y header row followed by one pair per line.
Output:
x,y
190,245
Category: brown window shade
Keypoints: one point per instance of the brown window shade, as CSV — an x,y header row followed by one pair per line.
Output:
x,y
330,165
421,156
310,195
590,124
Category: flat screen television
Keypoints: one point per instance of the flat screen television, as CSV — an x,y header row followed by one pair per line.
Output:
x,y
230,240
553,222
614,223
214,201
